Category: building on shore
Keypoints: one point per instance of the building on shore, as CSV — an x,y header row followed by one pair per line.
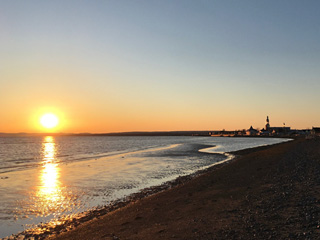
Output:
x,y
252,132
274,131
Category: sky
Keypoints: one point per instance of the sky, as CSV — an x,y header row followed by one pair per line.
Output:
x,y
114,66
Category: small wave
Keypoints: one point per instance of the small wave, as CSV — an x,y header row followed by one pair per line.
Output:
x,y
19,159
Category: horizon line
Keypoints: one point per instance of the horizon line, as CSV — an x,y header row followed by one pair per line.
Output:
x,y
126,132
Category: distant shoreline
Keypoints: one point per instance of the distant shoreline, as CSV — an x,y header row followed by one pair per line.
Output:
x,y
132,134
139,133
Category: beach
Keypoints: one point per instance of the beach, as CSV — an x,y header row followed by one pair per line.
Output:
x,y
48,185
269,192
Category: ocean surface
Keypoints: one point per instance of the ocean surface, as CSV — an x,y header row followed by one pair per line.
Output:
x,y
43,179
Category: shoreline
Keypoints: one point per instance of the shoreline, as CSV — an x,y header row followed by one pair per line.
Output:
x,y
266,192
94,215
49,229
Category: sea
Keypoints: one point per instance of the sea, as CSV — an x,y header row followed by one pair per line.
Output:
x,y
46,179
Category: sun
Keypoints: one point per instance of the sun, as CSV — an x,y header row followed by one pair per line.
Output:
x,y
49,120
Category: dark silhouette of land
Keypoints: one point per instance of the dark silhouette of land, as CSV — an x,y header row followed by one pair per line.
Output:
x,y
156,133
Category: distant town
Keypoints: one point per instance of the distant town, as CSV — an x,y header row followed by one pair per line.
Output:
x,y
269,130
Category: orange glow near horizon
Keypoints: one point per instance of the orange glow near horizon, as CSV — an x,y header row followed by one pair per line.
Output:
x,y
96,119
47,120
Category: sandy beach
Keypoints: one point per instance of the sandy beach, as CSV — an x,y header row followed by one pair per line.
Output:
x,y
268,192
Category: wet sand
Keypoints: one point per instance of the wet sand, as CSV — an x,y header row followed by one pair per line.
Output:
x,y
268,192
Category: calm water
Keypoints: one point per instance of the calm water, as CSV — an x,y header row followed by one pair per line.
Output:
x,y
44,178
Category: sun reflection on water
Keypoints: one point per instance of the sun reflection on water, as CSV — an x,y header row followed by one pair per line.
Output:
x,y
49,149
51,200
49,195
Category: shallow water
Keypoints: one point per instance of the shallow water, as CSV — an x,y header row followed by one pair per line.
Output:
x,y
45,178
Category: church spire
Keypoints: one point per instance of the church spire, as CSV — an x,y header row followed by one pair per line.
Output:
x,y
268,124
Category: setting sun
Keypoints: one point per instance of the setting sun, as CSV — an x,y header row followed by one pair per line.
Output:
x,y
49,120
